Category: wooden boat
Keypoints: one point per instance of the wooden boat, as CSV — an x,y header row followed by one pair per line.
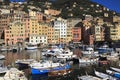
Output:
x,y
59,72
88,77
115,69
113,73
104,76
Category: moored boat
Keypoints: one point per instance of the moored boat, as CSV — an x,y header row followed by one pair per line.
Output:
x,y
2,57
59,72
88,77
88,60
66,54
113,73
115,69
24,62
45,67
31,47
104,76
90,52
3,70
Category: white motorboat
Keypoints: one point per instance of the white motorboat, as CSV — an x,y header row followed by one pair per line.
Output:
x,y
115,69
53,51
31,47
3,70
113,56
113,73
88,60
66,54
14,74
104,76
2,57
88,77
5,48
25,62
90,52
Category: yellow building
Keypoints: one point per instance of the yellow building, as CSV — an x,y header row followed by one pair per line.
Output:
x,y
15,33
69,35
51,35
33,25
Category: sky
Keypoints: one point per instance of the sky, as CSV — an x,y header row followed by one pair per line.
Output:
x,y
110,4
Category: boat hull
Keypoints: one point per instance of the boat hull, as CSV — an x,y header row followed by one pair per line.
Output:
x,y
45,71
88,60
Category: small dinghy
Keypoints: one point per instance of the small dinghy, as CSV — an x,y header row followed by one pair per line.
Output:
x,y
104,76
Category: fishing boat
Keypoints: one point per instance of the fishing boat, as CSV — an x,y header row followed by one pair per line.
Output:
x,y
59,72
113,73
2,57
104,76
3,70
115,69
31,47
14,74
47,66
88,77
88,60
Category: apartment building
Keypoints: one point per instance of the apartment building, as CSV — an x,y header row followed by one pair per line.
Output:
x,y
60,28
15,33
76,33
38,39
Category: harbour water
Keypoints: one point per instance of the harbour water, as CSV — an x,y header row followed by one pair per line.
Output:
x,y
78,69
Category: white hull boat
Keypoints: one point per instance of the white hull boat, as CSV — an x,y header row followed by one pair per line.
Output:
x,y
88,77
65,55
25,62
31,47
104,76
88,60
115,69
90,52
3,70
2,56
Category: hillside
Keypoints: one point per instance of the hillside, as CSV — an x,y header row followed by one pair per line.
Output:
x,y
78,8
69,8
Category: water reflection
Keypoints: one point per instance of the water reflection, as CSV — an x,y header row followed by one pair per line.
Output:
x,y
78,69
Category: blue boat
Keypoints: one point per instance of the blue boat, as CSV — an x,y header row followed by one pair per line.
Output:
x,y
113,73
46,70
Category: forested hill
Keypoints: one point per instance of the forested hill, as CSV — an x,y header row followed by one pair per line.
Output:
x,y
78,8
71,8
